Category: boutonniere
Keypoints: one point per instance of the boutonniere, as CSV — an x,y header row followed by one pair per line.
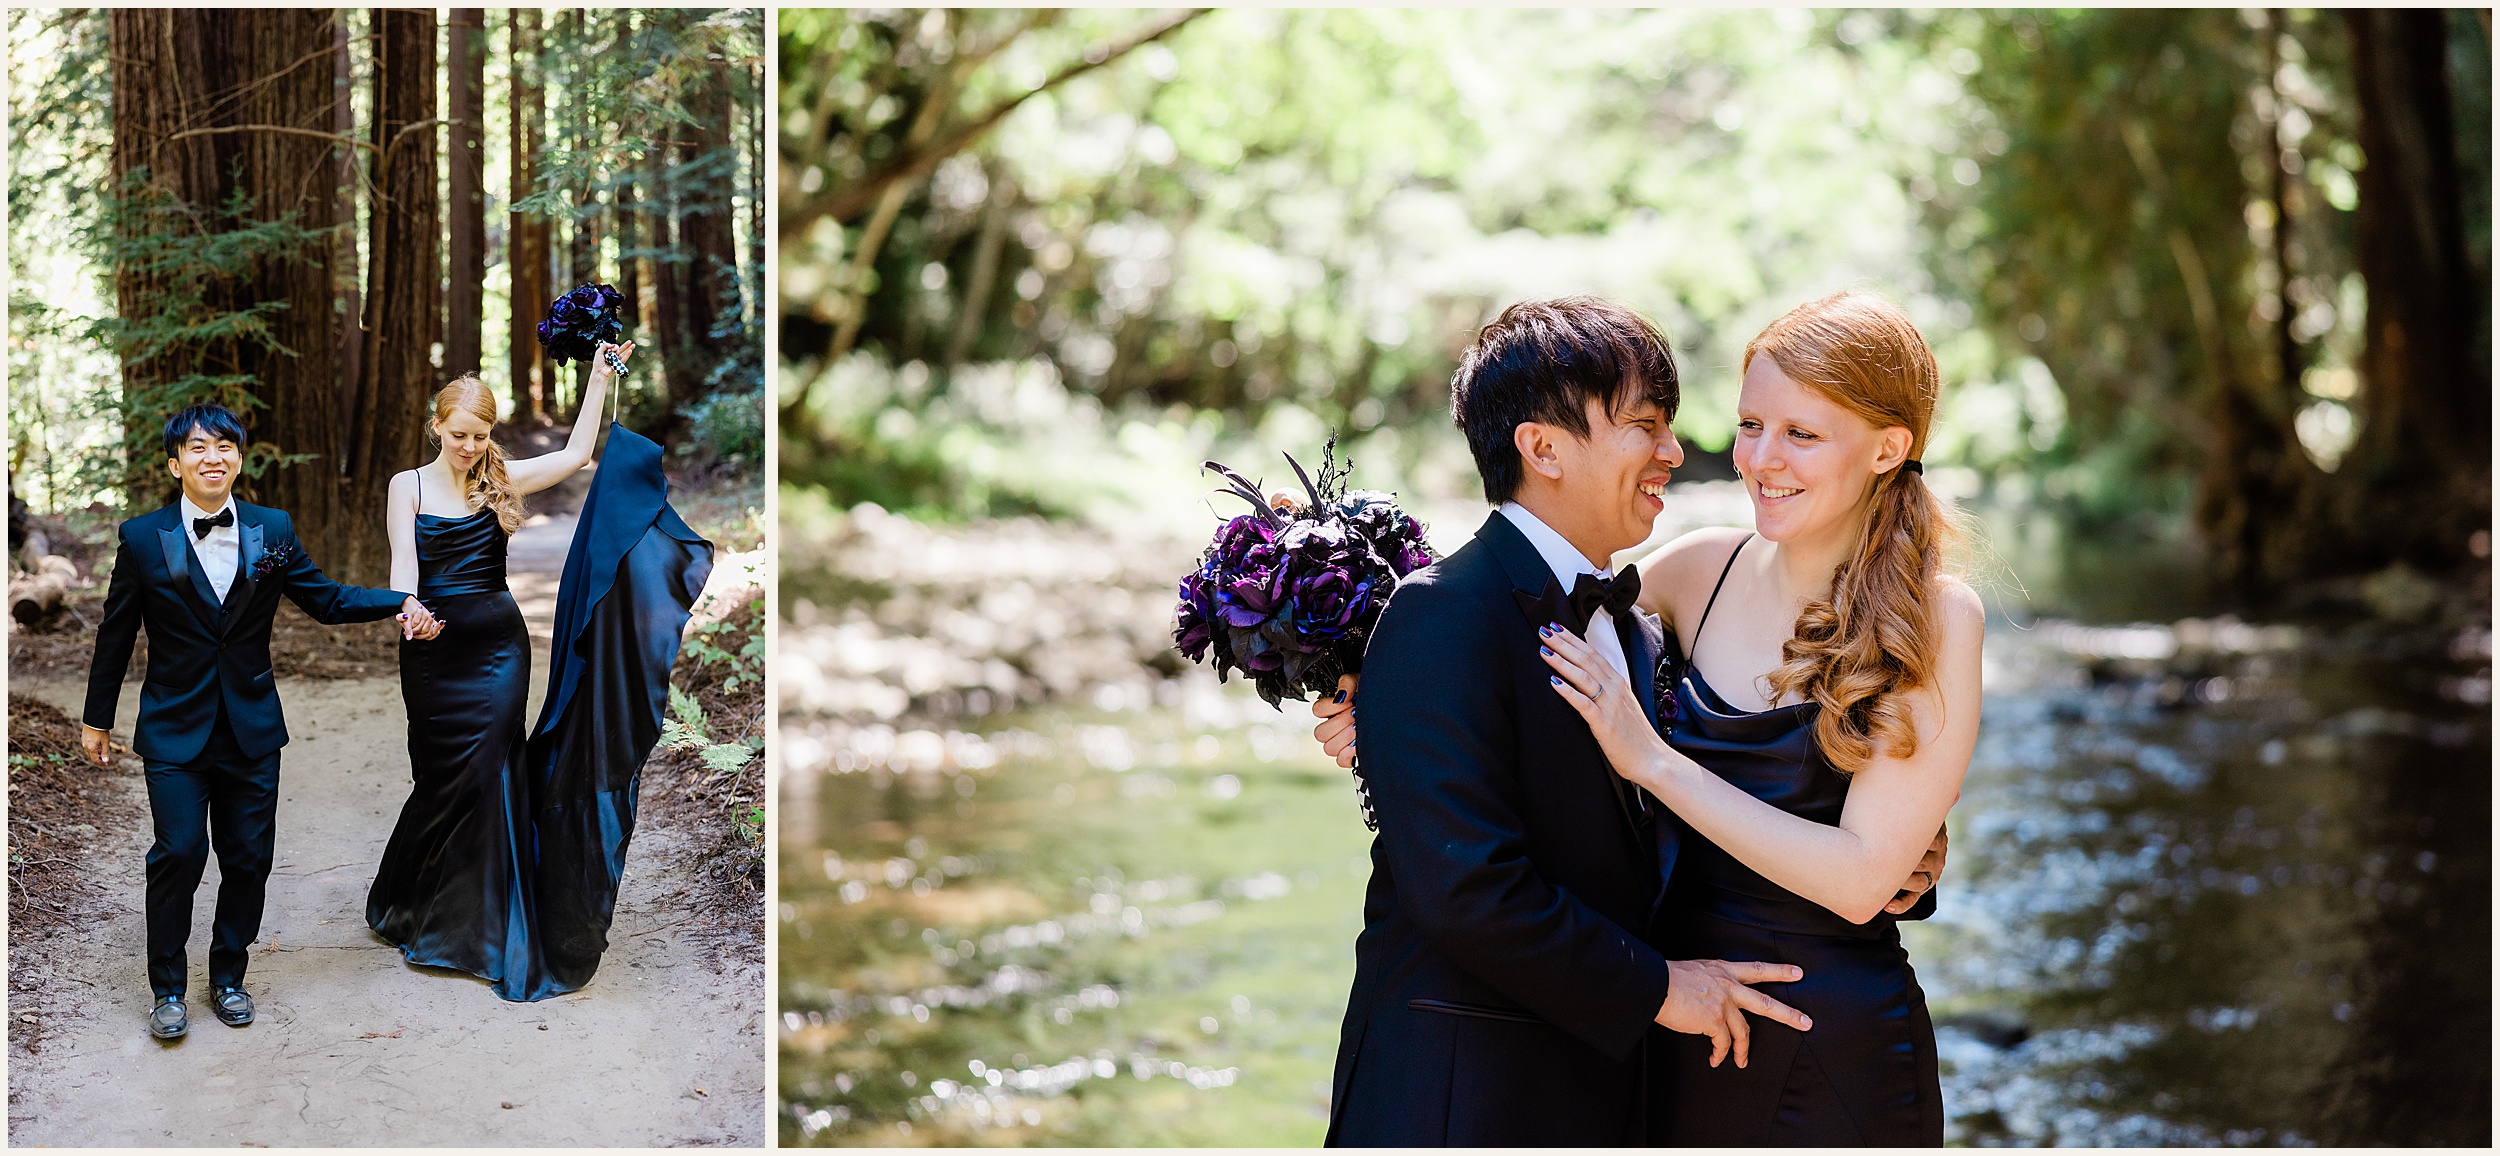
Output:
x,y
1662,686
273,560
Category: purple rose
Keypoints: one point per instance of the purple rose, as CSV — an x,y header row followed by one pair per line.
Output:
x,y
1327,605
1247,572
1196,629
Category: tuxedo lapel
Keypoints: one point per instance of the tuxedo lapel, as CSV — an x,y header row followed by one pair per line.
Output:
x,y
1528,572
1641,637
180,559
1668,838
239,592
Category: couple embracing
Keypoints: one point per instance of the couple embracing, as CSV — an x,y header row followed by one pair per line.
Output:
x,y
1620,814
506,858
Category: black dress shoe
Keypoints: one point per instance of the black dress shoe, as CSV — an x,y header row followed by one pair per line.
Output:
x,y
233,1006
169,1021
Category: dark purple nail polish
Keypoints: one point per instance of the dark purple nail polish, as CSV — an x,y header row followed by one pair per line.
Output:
x,y
1341,696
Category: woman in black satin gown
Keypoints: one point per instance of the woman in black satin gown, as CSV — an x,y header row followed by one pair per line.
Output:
x,y
1814,763
488,871
1818,726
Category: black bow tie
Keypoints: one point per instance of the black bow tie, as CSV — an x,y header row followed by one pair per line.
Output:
x,y
1589,592
201,526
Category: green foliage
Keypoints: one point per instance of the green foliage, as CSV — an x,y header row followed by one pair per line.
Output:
x,y
640,88
688,729
62,416
730,426
710,645
2117,168
184,335
1312,211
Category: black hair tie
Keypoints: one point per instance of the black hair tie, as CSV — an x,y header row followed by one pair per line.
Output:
x,y
1912,466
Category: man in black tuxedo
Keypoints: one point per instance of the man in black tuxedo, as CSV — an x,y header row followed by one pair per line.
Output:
x,y
1505,984
205,585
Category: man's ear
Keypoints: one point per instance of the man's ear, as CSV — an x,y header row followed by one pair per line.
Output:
x,y
1537,452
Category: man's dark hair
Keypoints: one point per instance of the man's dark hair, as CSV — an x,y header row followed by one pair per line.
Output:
x,y
214,420
1544,361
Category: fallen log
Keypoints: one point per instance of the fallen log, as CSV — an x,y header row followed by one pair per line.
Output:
x,y
40,596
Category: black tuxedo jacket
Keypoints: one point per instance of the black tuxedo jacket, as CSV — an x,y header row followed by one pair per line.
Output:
x,y
203,653
1504,985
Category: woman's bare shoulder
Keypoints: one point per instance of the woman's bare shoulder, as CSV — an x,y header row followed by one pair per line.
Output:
x,y
1962,616
1704,548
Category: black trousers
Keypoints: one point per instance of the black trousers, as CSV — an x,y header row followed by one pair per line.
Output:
x,y
228,801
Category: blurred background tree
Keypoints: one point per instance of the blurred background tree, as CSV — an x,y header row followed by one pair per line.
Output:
x,y
318,216
2145,244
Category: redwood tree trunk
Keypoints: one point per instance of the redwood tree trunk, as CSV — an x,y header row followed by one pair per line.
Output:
x,y
524,239
182,70
156,55
285,80
668,277
708,232
2421,472
346,263
464,295
404,308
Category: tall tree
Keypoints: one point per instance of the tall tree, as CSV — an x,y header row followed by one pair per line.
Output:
x,y
581,132
346,256
2422,468
404,306
670,307
464,295
708,230
227,113
624,218
526,233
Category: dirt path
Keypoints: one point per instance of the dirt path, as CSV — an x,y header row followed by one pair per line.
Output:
x,y
355,1047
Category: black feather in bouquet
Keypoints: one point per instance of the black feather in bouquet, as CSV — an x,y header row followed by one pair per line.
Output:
x,y
1289,593
581,321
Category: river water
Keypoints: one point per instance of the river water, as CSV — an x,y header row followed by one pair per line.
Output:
x,y
2212,882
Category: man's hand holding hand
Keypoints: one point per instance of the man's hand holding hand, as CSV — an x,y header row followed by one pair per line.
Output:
x,y
1708,997
1923,878
96,745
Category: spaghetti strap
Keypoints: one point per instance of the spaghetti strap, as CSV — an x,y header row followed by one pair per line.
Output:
x,y
1714,593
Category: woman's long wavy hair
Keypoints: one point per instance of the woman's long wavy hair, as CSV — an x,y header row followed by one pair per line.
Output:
x,y
1862,650
490,488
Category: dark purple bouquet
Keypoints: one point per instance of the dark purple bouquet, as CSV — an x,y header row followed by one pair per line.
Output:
x,y
1289,593
581,321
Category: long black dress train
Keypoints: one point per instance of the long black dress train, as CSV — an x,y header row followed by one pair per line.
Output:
x,y
1866,1073
506,858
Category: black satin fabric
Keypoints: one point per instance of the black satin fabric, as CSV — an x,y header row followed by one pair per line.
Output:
x,y
506,860
459,556
630,583
1866,1073
454,888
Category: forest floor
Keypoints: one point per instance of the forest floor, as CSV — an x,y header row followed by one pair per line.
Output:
x,y
352,1045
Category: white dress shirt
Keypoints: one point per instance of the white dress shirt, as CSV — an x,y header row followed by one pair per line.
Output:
x,y
220,552
1568,564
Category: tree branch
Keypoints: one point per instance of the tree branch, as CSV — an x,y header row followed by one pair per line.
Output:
x,y
332,137
847,202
